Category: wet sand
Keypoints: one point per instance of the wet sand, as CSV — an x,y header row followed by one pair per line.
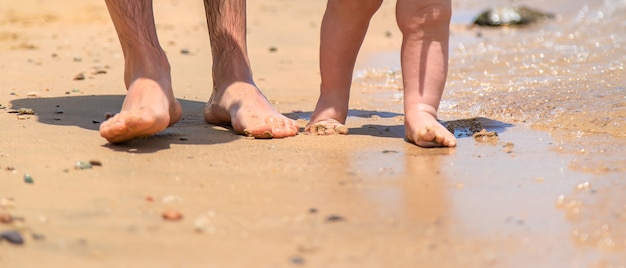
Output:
x,y
544,193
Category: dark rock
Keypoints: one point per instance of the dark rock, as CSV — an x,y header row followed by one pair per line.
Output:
x,y
14,237
297,260
335,218
508,16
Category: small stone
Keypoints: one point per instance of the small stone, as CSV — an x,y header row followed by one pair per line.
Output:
x,y
95,163
273,49
79,76
6,218
508,147
172,215
38,237
171,199
389,151
486,136
184,51
108,115
202,224
313,210
78,59
25,111
82,165
28,179
297,260
7,203
19,226
14,237
32,94
335,218
58,112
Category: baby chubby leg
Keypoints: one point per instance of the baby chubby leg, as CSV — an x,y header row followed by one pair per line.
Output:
x,y
424,58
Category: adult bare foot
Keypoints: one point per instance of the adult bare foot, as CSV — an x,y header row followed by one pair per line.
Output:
x,y
245,108
423,129
149,107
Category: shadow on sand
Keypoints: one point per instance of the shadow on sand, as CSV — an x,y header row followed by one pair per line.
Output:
x,y
88,111
461,128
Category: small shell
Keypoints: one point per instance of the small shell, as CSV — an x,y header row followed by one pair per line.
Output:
x,y
82,165
172,215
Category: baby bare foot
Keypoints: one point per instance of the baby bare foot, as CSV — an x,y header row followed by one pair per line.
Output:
x,y
423,129
329,115
148,109
326,127
247,110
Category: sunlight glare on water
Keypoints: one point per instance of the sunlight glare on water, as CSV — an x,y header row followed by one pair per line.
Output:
x,y
561,74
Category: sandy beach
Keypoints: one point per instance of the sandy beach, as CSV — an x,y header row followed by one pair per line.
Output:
x,y
548,191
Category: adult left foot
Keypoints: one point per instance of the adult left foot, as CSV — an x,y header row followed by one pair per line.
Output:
x,y
245,108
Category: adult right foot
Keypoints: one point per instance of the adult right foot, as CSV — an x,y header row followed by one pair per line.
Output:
x,y
245,108
149,108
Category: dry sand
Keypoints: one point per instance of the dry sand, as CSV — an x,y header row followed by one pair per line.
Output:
x,y
528,198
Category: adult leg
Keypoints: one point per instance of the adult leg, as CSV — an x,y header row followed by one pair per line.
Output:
x,y
424,58
343,29
149,106
236,100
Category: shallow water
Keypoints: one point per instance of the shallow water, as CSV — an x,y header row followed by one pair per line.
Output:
x,y
565,74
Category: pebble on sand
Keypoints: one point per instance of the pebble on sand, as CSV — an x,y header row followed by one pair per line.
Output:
x,y
172,215
25,111
6,218
485,136
6,203
335,218
79,76
82,165
28,178
298,260
96,163
14,237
